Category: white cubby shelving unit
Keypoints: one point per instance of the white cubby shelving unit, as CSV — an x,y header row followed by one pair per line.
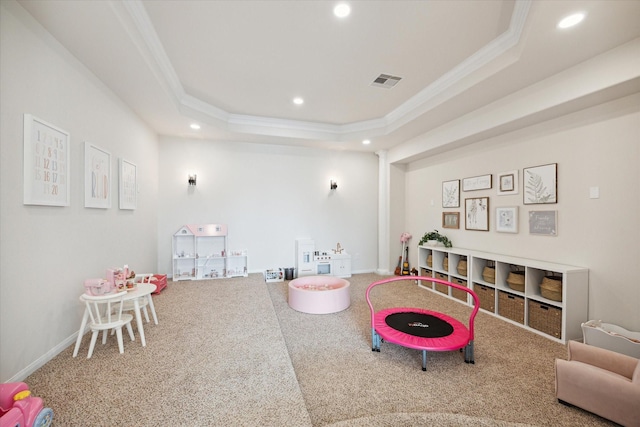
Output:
x,y
526,307
200,252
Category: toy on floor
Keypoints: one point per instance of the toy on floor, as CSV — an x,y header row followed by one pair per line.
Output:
x,y
422,329
19,409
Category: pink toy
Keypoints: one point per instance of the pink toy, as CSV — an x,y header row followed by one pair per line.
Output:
x,y
98,287
422,329
160,280
19,409
319,294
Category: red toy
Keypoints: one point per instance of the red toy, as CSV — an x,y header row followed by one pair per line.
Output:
x,y
160,282
19,409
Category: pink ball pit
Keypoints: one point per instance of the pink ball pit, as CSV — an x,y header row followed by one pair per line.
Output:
x,y
319,294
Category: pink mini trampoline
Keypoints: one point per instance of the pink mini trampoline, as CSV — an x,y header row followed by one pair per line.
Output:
x,y
422,329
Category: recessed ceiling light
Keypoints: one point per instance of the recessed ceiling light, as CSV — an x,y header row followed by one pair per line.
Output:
x,y
194,126
342,10
366,142
571,20
298,101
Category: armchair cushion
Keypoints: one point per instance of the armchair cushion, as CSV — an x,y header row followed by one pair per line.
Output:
x,y
600,381
602,358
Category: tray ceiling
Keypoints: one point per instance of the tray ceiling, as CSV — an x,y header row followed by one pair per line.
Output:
x,y
235,66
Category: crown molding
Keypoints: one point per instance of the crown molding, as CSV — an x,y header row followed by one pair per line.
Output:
x,y
191,103
145,29
453,82
612,75
444,87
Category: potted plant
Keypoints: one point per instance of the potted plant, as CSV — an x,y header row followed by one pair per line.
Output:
x,y
432,237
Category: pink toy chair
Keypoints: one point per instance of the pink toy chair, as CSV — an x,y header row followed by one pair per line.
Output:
x,y
19,409
422,329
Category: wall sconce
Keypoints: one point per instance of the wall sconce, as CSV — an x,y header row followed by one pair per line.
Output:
x,y
192,179
333,185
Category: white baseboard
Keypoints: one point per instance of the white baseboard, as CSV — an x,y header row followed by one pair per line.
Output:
x,y
42,360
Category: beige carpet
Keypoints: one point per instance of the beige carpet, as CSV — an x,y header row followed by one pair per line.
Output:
x,y
232,353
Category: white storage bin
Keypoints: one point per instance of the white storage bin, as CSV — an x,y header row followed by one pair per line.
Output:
x,y
611,337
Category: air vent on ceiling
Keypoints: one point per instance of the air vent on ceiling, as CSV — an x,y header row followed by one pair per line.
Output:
x,y
386,81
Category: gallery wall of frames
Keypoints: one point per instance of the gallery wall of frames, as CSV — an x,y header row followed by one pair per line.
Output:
x,y
539,187
47,170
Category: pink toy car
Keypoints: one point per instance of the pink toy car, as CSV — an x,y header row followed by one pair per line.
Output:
x,y
19,409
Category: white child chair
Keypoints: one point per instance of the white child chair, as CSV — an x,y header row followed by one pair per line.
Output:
x,y
143,302
105,313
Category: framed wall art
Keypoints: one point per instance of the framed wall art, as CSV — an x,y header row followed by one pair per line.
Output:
x,y
543,223
507,183
46,164
128,185
540,184
507,219
451,194
450,219
483,182
476,212
97,177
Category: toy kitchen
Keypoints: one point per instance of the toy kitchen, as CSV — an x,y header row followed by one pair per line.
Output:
x,y
310,262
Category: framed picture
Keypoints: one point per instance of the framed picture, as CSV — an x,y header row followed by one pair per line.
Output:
x,y
540,184
476,211
507,219
97,177
451,194
477,183
543,223
450,219
128,185
507,183
46,165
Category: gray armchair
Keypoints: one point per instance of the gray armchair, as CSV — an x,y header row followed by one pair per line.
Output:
x,y
600,381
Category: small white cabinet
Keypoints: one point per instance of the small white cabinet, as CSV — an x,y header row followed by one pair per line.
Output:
x,y
341,265
510,288
237,264
200,252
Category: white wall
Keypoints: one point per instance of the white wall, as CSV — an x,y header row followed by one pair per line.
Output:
x,y
595,147
47,252
269,196
397,205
